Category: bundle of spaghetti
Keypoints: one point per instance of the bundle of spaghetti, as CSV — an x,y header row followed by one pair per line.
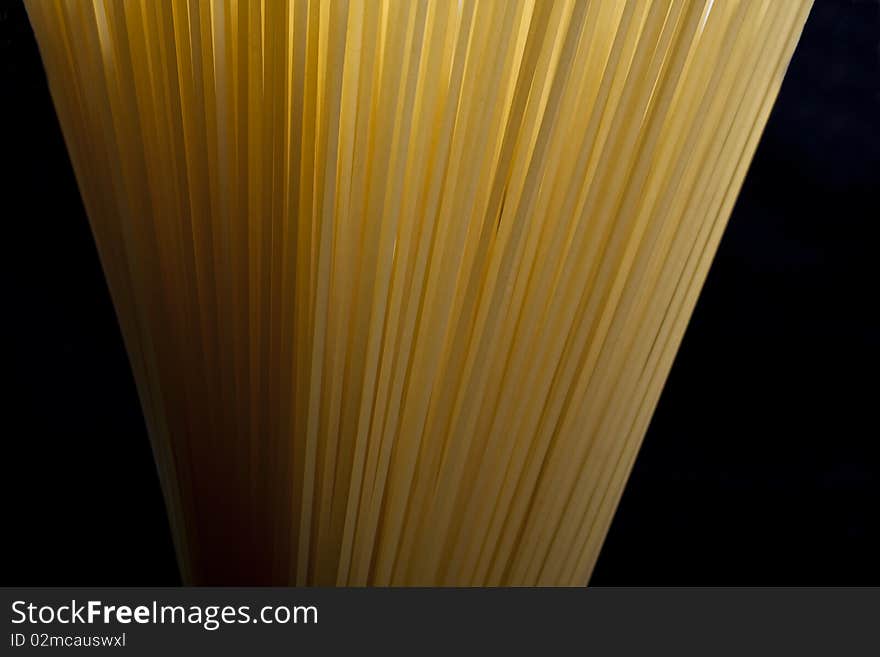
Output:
x,y
401,280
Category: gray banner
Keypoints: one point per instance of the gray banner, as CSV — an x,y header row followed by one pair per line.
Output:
x,y
227,621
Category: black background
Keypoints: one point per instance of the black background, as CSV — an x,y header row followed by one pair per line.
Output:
x,y
760,466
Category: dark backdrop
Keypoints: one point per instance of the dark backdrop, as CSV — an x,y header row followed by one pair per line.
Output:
x,y
761,463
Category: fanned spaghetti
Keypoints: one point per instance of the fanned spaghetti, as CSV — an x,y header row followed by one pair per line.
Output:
x,y
401,280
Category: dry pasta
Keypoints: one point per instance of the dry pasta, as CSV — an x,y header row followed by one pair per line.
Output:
x,y
401,280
